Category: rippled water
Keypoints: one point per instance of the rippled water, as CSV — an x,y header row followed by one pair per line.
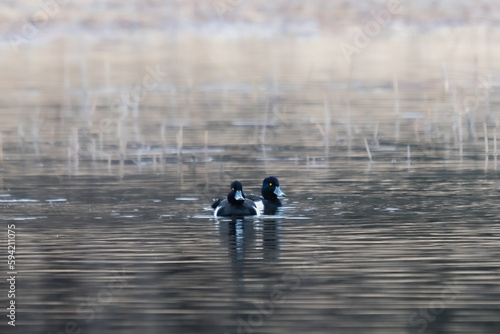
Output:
x,y
107,178
382,247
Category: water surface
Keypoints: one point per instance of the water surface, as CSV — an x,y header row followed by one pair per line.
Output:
x,y
384,247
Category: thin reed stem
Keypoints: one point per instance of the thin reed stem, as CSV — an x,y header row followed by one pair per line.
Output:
x,y
368,149
396,106
485,138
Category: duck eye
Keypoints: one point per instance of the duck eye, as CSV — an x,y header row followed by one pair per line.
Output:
x,y
232,188
270,184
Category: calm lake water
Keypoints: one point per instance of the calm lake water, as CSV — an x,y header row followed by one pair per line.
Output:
x,y
382,247
120,126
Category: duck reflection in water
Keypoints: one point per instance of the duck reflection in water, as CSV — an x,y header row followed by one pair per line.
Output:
x,y
251,244
249,239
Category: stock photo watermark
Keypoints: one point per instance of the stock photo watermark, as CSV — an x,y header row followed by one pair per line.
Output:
x,y
419,320
224,6
139,92
11,274
290,281
362,37
30,29
481,92
469,103
93,305
127,102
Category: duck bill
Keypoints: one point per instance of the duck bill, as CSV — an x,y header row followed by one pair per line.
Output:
x,y
238,195
278,192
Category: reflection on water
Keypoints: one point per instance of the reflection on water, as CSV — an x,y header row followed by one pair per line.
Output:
x,y
359,246
389,225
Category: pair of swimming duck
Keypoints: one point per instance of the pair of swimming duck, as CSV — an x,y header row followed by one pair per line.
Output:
x,y
237,204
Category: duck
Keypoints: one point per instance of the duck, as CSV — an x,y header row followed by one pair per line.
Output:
x,y
236,204
268,202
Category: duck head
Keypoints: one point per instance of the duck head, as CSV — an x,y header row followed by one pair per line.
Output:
x,y
271,188
236,195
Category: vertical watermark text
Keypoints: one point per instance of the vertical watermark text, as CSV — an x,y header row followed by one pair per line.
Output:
x,y
11,274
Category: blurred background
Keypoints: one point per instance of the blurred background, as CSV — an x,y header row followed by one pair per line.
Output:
x,y
122,120
103,79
